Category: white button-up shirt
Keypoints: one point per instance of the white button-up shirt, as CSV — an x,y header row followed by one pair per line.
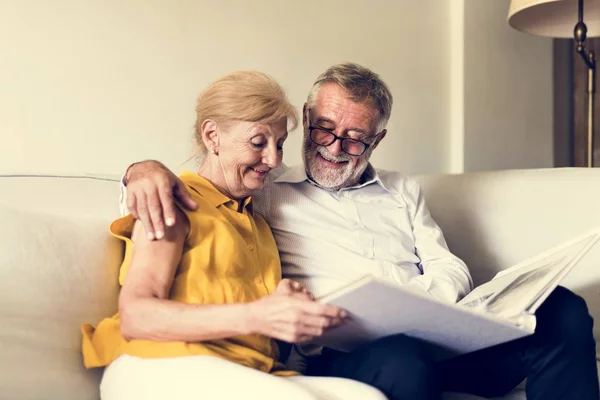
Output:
x,y
328,239
382,227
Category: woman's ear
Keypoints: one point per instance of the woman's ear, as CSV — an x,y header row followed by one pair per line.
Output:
x,y
210,135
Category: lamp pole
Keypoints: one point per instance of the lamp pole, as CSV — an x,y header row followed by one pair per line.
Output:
x,y
580,33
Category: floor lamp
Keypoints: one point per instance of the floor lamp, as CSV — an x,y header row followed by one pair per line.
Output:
x,y
576,19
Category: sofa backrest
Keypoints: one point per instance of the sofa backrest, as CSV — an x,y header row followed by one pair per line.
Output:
x,y
92,196
493,220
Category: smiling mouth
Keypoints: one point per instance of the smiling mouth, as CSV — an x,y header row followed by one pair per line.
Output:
x,y
260,171
330,161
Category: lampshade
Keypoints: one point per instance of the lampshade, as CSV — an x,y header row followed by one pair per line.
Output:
x,y
553,18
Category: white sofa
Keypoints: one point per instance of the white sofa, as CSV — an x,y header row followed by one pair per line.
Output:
x,y
58,265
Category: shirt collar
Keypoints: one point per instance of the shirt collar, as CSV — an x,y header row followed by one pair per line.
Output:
x,y
297,174
211,194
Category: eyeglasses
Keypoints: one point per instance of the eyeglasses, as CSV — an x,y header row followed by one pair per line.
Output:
x,y
323,137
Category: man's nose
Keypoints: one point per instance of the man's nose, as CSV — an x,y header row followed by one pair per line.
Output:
x,y
335,148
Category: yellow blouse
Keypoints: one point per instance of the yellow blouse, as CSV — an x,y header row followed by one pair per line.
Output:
x,y
228,257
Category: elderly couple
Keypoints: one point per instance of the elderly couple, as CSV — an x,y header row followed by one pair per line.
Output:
x,y
203,311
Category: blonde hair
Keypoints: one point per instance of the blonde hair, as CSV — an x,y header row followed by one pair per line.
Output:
x,y
243,96
362,85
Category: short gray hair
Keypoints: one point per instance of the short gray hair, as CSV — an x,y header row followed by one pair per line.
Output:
x,y
363,86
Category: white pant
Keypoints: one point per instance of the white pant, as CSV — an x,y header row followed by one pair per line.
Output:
x,y
212,378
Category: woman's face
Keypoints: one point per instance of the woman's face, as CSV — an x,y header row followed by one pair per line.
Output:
x,y
247,152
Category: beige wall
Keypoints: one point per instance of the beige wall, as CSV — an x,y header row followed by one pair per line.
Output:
x,y
87,87
508,92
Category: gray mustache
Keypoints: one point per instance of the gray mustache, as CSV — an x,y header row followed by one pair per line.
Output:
x,y
323,151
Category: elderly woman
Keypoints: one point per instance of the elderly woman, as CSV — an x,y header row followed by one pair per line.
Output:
x,y
200,309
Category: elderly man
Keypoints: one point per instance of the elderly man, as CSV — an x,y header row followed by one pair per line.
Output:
x,y
335,218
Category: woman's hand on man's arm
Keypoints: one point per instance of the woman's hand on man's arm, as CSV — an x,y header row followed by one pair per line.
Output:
x,y
151,190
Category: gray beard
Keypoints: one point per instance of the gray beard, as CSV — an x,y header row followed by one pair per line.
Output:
x,y
330,179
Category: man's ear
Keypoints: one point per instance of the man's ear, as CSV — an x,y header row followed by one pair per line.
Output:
x,y
210,135
378,139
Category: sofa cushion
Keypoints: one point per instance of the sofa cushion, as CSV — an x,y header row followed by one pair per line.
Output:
x,y
55,274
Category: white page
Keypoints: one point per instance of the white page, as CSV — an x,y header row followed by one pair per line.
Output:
x,y
527,286
539,279
379,309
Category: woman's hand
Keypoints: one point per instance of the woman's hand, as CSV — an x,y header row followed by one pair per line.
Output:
x,y
291,314
288,287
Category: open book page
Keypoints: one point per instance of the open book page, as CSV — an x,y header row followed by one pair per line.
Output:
x,y
522,291
525,286
378,308
519,281
478,296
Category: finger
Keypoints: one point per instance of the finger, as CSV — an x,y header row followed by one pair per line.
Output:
x,y
334,322
308,330
322,321
316,321
156,215
285,281
294,332
327,310
165,194
284,287
304,290
144,216
184,196
304,296
281,332
131,205
298,287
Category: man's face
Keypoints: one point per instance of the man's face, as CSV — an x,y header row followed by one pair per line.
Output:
x,y
334,111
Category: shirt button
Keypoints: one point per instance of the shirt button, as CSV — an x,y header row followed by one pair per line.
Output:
x,y
258,281
250,247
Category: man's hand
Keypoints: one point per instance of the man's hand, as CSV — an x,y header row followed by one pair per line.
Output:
x,y
151,189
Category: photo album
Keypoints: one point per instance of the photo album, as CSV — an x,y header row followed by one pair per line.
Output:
x,y
495,312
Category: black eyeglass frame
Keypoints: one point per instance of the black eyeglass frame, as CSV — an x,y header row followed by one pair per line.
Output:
x,y
336,137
